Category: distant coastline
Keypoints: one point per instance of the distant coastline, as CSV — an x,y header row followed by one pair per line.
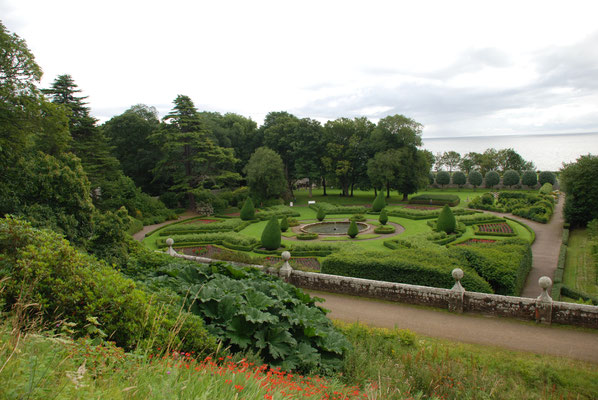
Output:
x,y
509,136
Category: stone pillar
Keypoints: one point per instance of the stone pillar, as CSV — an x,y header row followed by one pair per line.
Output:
x,y
544,302
286,270
455,302
169,243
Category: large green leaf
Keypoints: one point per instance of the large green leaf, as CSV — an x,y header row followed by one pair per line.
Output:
x,y
280,342
256,316
239,332
258,300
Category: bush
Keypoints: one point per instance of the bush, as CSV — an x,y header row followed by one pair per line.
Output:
x,y
546,177
580,182
412,266
546,188
353,229
479,218
423,214
436,199
431,178
271,237
385,229
492,178
379,202
60,284
229,240
446,221
475,178
330,209
383,217
488,199
307,236
510,178
284,224
248,210
459,178
529,178
278,211
443,178
321,214
293,222
227,225
357,218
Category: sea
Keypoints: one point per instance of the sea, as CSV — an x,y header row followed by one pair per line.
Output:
x,y
547,151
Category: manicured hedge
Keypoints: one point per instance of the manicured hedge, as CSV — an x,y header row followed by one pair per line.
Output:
x,y
385,229
424,214
229,240
578,294
276,211
479,218
307,236
504,264
338,209
412,266
534,206
436,199
228,225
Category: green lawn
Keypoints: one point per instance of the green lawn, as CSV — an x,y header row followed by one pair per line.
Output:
x,y
580,270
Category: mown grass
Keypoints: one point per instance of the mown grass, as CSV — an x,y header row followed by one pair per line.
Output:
x,y
580,270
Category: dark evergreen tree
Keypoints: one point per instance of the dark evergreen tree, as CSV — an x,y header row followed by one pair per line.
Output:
x,y
271,237
492,178
475,178
321,214
510,178
446,220
353,230
247,211
383,217
443,178
529,178
459,178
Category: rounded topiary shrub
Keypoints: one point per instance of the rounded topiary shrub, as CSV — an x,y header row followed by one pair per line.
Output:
x,y
446,220
546,177
459,178
307,236
284,224
384,229
321,214
529,178
492,178
383,217
357,218
271,235
248,211
475,178
353,230
510,178
443,178
379,202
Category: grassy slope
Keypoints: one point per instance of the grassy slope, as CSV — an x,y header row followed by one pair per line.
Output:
x,y
580,273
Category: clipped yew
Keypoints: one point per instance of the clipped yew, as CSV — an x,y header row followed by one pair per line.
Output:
x,y
271,235
284,224
510,178
529,178
353,230
321,214
383,217
247,211
446,220
475,179
379,202
492,178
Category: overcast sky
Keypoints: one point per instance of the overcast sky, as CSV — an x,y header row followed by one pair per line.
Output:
x,y
461,68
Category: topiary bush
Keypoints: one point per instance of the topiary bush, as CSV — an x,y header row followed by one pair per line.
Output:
x,y
271,237
321,214
436,199
284,224
379,202
492,178
546,177
383,217
446,221
546,188
443,178
475,178
459,178
248,210
357,218
353,229
510,178
385,229
529,178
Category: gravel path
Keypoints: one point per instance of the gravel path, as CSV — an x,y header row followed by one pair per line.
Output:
x,y
569,342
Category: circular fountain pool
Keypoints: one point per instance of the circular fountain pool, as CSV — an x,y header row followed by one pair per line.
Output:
x,y
332,228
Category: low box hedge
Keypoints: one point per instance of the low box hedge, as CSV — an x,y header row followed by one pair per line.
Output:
x,y
436,199
330,209
230,240
578,294
412,266
424,214
385,229
307,236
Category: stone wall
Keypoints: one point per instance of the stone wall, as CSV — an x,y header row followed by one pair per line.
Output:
x,y
542,309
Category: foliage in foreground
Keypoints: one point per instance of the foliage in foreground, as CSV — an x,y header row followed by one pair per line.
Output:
x,y
250,311
45,277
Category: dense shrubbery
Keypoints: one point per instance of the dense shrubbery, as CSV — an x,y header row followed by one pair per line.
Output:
x,y
278,211
423,214
227,225
580,182
413,266
504,264
426,240
532,206
230,240
436,199
546,188
338,209
45,274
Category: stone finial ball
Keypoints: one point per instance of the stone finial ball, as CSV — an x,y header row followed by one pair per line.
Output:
x,y
544,282
169,242
286,255
457,274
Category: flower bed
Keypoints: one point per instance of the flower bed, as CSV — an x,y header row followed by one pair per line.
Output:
x,y
494,229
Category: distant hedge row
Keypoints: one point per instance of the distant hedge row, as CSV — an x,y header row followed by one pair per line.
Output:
x,y
337,209
227,225
424,214
436,199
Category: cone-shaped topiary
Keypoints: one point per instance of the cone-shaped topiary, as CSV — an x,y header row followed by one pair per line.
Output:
x,y
353,230
271,235
379,202
248,211
446,220
284,224
383,217
321,214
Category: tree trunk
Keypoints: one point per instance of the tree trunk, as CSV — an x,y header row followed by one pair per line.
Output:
x,y
324,185
375,192
309,183
387,189
405,197
352,189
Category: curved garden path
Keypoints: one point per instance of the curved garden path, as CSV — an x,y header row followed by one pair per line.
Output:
x,y
545,249
148,228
